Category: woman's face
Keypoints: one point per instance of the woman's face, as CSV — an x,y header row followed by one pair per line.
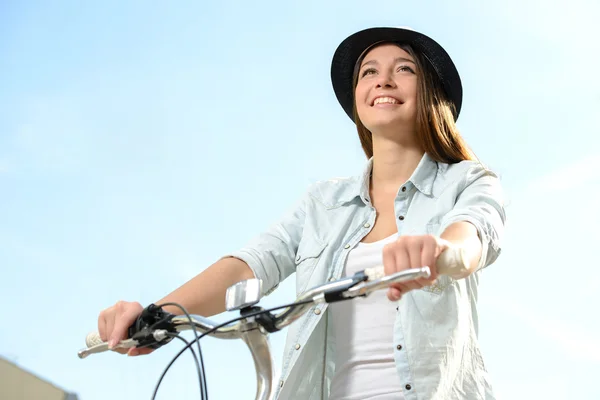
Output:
x,y
386,91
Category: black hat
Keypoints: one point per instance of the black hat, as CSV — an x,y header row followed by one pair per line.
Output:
x,y
348,52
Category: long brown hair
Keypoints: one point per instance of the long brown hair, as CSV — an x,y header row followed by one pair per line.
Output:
x,y
437,133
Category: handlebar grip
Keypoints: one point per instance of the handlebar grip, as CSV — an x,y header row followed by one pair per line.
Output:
x,y
452,262
374,273
93,339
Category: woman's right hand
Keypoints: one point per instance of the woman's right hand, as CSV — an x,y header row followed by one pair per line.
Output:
x,y
114,322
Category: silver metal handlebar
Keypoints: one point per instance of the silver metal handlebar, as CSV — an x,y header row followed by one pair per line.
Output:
x,y
245,294
252,333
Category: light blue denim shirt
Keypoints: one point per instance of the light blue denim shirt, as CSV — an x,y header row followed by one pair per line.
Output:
x,y
435,344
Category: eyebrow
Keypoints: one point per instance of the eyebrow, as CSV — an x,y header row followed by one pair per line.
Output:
x,y
398,59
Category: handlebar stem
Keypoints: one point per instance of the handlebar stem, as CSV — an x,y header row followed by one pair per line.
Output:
x,y
258,343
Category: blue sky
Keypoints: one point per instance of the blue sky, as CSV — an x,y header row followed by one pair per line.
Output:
x,y
140,141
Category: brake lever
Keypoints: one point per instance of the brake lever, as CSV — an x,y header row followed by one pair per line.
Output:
x,y
102,347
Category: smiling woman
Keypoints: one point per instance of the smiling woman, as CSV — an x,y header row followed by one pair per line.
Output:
x,y
410,77
386,91
420,193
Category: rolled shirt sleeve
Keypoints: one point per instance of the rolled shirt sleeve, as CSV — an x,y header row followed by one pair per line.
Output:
x,y
270,254
480,202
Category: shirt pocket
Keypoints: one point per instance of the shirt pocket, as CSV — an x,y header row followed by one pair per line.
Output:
x,y
307,258
442,281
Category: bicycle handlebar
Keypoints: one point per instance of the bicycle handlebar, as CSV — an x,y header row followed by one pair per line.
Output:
x,y
253,329
450,262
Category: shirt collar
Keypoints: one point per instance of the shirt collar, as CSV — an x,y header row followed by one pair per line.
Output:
x,y
422,178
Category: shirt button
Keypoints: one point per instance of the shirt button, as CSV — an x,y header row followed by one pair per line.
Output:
x,y
280,383
317,311
297,347
399,347
401,218
347,246
331,279
404,188
367,225
408,387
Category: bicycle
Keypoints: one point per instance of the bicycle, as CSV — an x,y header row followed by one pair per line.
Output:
x,y
155,327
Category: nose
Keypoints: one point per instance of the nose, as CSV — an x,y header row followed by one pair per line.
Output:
x,y
384,80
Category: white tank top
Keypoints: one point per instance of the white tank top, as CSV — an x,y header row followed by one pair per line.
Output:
x,y
363,327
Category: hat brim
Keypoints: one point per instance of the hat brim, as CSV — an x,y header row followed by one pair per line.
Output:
x,y
348,52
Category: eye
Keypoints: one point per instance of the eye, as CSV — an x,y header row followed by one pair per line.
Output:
x,y
368,71
405,68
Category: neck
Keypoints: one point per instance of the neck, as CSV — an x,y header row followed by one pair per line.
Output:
x,y
393,163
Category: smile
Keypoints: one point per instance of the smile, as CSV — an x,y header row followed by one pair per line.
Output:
x,y
386,100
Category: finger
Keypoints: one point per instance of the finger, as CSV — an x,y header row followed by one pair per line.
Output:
x,y
102,326
402,258
428,257
394,294
110,323
402,263
413,249
134,351
125,317
389,259
408,286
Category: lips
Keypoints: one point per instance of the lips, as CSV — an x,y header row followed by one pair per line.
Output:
x,y
385,100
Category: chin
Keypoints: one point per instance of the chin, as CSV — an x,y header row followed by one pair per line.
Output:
x,y
388,123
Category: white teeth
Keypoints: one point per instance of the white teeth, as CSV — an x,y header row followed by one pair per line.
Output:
x,y
388,100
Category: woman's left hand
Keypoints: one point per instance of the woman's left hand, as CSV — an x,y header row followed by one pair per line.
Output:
x,y
412,252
